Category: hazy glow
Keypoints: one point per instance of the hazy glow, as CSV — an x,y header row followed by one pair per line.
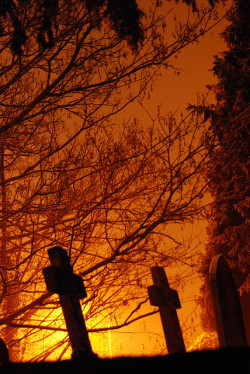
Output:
x,y
146,336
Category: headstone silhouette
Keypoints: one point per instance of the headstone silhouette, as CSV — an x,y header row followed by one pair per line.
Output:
x,y
4,353
59,278
167,299
226,304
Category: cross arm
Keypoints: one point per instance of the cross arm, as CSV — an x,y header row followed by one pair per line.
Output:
x,y
160,297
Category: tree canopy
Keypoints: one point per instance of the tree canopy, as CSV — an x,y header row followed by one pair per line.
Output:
x,y
124,18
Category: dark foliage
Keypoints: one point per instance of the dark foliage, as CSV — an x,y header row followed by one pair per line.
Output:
x,y
124,18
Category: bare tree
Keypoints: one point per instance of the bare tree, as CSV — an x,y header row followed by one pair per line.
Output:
x,y
71,177
111,201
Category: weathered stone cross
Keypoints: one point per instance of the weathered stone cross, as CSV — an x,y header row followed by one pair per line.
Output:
x,y
60,279
167,299
226,304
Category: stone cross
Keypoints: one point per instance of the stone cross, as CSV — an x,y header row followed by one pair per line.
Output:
x,y
60,279
226,304
167,299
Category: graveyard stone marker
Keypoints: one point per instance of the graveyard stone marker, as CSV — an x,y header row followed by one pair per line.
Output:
x,y
4,353
167,299
59,278
226,304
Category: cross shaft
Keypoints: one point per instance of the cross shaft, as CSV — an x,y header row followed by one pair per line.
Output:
x,y
60,279
167,299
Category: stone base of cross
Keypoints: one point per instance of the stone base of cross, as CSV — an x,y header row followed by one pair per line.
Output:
x,y
167,299
60,279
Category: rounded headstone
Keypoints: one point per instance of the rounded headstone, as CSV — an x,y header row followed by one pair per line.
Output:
x,y
226,304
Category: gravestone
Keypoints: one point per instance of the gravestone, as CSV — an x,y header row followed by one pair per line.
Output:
x,y
4,353
167,299
60,279
226,305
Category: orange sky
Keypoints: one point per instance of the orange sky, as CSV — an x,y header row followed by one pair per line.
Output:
x,y
173,93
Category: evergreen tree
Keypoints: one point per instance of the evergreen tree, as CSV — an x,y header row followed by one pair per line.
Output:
x,y
228,220
124,18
